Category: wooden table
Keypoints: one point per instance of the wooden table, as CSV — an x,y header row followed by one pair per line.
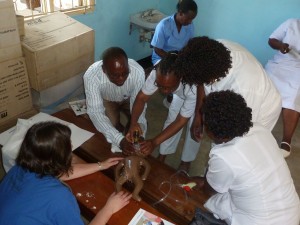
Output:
x,y
92,192
175,206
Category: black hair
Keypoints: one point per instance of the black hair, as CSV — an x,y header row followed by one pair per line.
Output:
x,y
46,149
203,61
113,52
185,6
226,115
167,64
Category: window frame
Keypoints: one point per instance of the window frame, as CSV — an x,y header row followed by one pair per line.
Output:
x,y
47,7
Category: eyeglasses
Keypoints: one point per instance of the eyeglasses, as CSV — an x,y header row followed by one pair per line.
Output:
x,y
164,88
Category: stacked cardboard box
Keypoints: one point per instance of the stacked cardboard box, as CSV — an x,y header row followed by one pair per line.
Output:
x,y
10,46
56,48
15,95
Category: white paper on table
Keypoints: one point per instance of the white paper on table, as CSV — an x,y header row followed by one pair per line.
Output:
x,y
78,136
145,217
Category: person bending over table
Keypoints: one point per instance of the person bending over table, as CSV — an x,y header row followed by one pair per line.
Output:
x,y
32,191
111,86
215,65
284,71
165,80
247,176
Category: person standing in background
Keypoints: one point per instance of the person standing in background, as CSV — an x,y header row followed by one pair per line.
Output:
x,y
111,86
173,32
284,71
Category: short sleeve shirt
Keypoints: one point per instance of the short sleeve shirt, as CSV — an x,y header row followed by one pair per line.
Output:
x,y
166,36
187,93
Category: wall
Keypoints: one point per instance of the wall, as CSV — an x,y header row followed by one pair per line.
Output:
x,y
248,22
110,20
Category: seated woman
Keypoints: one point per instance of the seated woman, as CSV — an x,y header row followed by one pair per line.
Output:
x,y
284,72
32,193
247,176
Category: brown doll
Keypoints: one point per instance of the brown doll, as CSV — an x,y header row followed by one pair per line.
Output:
x,y
129,169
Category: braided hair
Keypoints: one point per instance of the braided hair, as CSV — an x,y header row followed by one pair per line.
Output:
x,y
167,64
203,61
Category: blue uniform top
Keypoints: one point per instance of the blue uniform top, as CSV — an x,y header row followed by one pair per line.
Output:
x,y
166,36
27,199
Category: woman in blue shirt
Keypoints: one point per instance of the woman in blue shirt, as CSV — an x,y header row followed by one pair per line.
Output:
x,y
173,32
32,194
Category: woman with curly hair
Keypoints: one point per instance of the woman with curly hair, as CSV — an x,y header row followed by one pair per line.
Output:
x,y
247,178
32,191
216,65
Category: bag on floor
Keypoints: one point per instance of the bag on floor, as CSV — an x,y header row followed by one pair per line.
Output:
x,y
205,218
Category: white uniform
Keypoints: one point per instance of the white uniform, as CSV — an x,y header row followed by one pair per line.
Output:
x,y
253,182
284,69
248,78
184,101
98,87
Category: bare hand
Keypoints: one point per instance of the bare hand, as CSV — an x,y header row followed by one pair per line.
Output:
x,y
147,147
127,147
110,162
197,128
117,201
132,128
284,48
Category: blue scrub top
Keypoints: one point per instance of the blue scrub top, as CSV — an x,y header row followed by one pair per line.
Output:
x,y
27,199
166,36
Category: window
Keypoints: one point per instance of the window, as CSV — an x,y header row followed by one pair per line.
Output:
x,y
32,8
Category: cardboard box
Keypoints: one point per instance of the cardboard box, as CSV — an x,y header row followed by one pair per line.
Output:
x,y
13,121
20,23
62,92
15,96
10,45
56,47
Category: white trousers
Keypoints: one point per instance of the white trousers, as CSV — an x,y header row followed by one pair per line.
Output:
x,y
191,147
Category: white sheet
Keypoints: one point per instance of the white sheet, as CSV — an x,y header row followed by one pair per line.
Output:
x,y
78,136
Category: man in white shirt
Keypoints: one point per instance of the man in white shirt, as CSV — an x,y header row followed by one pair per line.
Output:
x,y
111,86
247,177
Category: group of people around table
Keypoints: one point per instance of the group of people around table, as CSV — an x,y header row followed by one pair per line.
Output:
x,y
218,87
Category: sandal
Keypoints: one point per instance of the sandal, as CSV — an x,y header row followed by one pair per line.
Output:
x,y
285,153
